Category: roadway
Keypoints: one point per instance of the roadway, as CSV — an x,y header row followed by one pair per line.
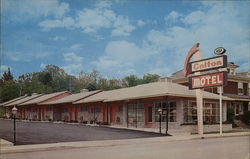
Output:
x,y
210,148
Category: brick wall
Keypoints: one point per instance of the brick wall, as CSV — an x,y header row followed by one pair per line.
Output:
x,y
231,87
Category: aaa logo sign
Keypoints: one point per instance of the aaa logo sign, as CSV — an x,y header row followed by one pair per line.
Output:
x,y
208,80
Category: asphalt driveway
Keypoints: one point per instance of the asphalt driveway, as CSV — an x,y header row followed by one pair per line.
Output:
x,y
45,132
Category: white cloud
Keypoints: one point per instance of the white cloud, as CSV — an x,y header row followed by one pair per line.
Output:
x,y
121,57
90,20
73,63
42,65
162,71
104,4
93,20
141,23
75,47
221,24
57,38
72,57
172,16
20,11
194,17
4,68
122,27
244,67
125,51
73,69
126,72
27,56
66,22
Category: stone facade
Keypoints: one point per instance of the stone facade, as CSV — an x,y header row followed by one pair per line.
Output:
x,y
206,128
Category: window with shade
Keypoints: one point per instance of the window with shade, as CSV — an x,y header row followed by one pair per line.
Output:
x,y
84,108
171,109
240,88
210,112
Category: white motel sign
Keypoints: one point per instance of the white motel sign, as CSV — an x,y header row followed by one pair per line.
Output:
x,y
208,64
208,80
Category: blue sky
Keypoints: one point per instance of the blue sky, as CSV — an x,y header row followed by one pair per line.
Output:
x,y
120,37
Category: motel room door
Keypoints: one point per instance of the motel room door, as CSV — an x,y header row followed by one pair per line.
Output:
x,y
148,113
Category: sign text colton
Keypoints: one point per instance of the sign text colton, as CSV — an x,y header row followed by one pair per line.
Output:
x,y
208,64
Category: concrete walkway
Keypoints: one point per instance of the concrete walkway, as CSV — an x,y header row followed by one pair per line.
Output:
x,y
155,130
5,143
84,144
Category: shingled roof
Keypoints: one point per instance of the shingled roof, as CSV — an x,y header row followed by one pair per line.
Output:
x,y
71,98
13,100
156,89
43,98
18,102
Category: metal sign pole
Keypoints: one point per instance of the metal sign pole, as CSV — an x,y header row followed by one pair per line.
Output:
x,y
220,91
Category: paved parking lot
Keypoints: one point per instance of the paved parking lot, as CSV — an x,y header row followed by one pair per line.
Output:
x,y
44,132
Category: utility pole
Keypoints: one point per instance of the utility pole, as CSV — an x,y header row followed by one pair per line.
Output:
x,y
70,84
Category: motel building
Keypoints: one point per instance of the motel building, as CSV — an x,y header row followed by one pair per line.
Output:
x,y
237,88
64,110
133,107
29,108
168,102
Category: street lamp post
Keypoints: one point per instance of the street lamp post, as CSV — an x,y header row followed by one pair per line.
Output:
x,y
160,112
167,111
14,112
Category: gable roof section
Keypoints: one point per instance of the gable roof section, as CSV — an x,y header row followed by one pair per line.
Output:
x,y
13,100
71,98
99,97
17,103
155,89
43,98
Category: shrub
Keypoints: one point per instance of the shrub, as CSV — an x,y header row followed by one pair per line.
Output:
x,y
84,122
230,115
246,118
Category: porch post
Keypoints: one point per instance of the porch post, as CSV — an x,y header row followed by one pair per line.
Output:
x,y
136,115
127,114
199,100
220,92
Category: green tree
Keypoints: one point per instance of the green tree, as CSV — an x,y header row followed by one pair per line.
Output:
x,y
45,78
91,87
246,118
230,115
7,75
130,81
9,90
149,78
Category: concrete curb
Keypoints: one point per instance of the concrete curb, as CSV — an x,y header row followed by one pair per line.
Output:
x,y
105,143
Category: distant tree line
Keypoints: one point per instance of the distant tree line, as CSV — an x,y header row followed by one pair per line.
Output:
x,y
54,79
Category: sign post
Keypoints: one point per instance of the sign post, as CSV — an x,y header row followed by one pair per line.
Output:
x,y
220,92
199,81
199,100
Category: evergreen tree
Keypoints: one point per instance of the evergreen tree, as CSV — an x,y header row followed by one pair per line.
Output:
x,y
7,76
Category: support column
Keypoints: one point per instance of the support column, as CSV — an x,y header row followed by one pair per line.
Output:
x,y
220,92
199,99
